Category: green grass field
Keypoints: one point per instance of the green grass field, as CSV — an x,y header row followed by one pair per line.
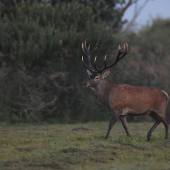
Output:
x,y
82,146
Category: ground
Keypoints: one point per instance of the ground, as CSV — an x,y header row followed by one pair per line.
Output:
x,y
82,146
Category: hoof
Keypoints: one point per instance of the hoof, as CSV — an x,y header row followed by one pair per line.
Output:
x,y
149,137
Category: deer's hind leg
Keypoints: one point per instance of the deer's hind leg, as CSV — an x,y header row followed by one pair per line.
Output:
x,y
166,124
158,121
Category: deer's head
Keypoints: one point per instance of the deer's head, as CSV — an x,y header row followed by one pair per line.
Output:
x,y
97,76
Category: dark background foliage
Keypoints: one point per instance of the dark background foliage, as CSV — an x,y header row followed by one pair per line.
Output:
x,y
41,74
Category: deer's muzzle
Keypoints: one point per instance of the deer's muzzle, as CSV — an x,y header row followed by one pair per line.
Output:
x,y
86,84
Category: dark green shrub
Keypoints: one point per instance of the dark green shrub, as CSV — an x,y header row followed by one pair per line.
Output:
x,y
41,60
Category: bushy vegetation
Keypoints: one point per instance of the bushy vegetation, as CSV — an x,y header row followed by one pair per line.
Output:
x,y
82,146
41,70
41,74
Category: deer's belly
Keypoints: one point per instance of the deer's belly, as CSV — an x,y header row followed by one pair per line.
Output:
x,y
128,111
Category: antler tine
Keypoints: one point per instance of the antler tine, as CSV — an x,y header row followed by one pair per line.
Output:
x,y
83,47
95,47
127,49
90,69
96,44
118,57
130,52
88,54
95,64
127,46
105,60
119,48
85,44
95,59
89,47
122,52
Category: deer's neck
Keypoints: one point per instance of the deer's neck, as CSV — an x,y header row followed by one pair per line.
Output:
x,y
102,91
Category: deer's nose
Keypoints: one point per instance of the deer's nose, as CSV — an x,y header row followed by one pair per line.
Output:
x,y
85,83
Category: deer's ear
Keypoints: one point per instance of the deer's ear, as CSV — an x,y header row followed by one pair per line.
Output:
x,y
105,74
89,73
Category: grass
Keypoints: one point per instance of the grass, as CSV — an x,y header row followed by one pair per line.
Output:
x,y
82,146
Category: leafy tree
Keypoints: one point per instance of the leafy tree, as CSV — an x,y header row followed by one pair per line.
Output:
x,y
109,11
41,61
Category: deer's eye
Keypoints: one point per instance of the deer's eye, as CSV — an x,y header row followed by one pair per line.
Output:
x,y
96,78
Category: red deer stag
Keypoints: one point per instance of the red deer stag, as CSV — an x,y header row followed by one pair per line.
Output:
x,y
124,99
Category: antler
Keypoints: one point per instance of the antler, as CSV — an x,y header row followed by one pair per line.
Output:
x,y
88,54
124,52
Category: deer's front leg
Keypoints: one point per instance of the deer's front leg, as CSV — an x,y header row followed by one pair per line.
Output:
x,y
112,122
124,122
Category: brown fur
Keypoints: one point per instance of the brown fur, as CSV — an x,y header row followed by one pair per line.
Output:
x,y
137,100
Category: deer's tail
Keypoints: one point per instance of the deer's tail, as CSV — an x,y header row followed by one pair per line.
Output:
x,y
166,94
